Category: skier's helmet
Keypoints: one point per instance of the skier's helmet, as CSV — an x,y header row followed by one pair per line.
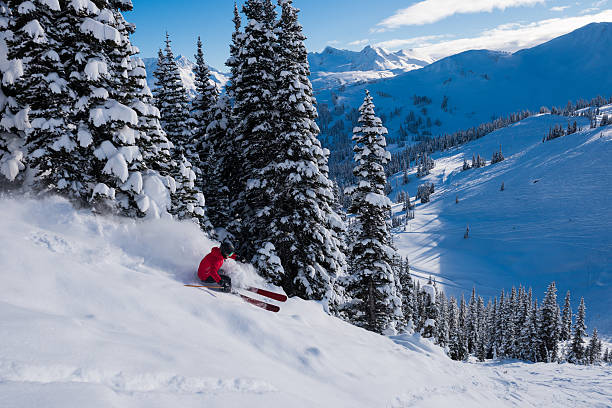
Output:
x,y
227,249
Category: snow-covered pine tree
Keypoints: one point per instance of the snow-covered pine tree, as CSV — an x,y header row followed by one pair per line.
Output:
x,y
430,310
593,350
218,135
202,111
576,353
37,43
508,338
520,316
301,227
490,328
187,201
500,325
442,328
255,134
407,295
235,60
566,320
481,345
549,324
13,119
457,343
226,158
529,333
173,103
378,306
471,323
538,346
152,141
110,85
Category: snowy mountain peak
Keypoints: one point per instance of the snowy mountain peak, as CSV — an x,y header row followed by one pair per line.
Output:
x,y
369,58
334,67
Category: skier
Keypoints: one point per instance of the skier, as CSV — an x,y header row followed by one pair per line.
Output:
x,y
208,272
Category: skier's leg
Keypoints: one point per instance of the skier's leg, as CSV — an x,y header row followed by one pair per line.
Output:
x,y
209,282
226,282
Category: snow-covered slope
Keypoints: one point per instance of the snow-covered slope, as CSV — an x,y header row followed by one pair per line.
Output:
x,y
552,222
482,84
93,313
333,67
187,75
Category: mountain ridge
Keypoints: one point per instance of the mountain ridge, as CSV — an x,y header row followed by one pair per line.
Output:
x,y
479,85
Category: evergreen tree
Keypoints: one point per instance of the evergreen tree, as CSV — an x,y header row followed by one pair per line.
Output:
x,y
500,326
407,294
13,117
36,41
173,103
255,133
218,135
110,92
372,283
203,110
549,324
526,330
577,353
593,350
430,311
566,320
471,323
302,225
442,326
225,158
202,107
457,342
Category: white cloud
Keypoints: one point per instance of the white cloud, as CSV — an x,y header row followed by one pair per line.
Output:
x,y
510,37
359,42
397,43
559,8
333,42
589,10
430,11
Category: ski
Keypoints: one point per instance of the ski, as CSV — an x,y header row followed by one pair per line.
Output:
x,y
254,302
205,286
272,295
259,303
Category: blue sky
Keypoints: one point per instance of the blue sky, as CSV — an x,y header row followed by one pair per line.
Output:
x,y
431,28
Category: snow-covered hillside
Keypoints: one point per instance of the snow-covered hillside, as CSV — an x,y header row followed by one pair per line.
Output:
x,y
481,84
552,222
93,313
186,67
333,67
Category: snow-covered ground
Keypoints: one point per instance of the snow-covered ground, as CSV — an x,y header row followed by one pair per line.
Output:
x,y
93,313
552,222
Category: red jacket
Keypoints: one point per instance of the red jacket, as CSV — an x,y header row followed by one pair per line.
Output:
x,y
210,265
